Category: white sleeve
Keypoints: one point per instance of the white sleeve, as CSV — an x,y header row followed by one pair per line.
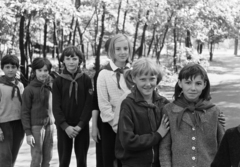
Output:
x,y
104,104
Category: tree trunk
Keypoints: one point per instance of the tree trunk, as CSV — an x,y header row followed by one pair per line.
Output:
x,y
135,36
74,32
97,61
77,3
45,39
70,35
175,45
188,39
124,19
24,76
211,51
55,42
150,46
236,47
119,9
28,43
164,37
141,48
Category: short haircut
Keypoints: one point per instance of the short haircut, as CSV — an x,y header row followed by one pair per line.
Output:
x,y
144,66
10,59
111,47
72,51
191,71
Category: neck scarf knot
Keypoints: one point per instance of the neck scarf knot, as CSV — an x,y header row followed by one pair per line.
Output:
x,y
44,90
195,109
73,81
7,81
118,72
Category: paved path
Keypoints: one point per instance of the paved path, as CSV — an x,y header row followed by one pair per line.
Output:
x,y
224,75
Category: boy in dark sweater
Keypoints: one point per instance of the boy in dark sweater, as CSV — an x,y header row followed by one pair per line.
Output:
x,y
72,99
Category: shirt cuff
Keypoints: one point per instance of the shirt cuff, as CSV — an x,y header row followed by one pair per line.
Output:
x,y
64,125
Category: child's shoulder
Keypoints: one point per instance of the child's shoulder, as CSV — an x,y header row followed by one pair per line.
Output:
x,y
214,109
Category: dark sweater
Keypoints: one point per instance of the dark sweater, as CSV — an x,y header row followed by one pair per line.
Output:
x,y
228,154
137,142
66,110
34,111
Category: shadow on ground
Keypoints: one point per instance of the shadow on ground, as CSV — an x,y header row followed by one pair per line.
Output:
x,y
227,97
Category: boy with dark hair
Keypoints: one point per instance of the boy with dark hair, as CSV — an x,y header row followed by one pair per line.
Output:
x,y
72,104
11,130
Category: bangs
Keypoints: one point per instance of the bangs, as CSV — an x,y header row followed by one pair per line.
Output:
x,y
145,66
191,72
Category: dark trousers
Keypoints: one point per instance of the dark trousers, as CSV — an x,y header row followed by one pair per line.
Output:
x,y
108,146
99,155
65,144
13,136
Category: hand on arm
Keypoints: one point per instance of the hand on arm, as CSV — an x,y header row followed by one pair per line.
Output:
x,y
164,126
222,119
30,140
1,135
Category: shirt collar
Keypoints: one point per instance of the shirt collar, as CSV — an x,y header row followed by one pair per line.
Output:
x,y
137,96
114,67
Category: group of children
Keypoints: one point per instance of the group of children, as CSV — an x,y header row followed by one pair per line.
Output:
x,y
133,125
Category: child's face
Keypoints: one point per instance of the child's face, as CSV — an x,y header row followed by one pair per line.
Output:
x,y
10,70
121,50
42,73
146,84
71,63
192,87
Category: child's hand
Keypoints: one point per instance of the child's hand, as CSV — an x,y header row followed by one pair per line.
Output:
x,y
95,134
71,132
164,127
1,135
77,128
222,119
30,140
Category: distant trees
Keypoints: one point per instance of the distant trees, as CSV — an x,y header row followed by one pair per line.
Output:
x,y
49,25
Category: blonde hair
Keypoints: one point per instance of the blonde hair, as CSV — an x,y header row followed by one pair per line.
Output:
x,y
111,48
144,66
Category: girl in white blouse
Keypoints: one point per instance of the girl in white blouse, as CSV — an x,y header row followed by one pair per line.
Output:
x,y
110,87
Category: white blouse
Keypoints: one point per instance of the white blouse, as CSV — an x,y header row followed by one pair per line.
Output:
x,y
108,93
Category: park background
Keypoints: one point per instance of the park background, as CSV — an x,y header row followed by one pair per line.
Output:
x,y
171,32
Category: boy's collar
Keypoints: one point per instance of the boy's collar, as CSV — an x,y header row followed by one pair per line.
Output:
x,y
65,71
137,96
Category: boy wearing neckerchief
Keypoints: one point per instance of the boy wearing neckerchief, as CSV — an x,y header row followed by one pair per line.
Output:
x,y
72,105
11,130
195,132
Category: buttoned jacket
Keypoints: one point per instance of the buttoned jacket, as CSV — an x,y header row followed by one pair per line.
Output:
x,y
187,145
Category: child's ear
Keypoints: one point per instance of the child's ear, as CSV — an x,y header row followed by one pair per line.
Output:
x,y
205,84
179,84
